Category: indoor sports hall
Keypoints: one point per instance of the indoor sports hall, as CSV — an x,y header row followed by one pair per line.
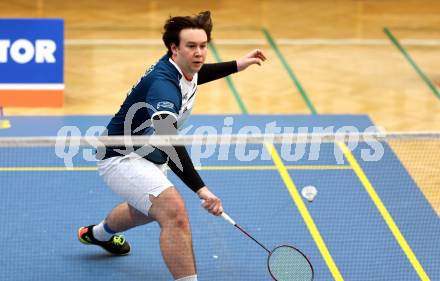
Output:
x,y
348,101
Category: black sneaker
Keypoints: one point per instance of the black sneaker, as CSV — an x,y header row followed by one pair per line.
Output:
x,y
116,245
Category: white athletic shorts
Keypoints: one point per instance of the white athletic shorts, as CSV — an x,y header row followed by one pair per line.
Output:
x,y
134,179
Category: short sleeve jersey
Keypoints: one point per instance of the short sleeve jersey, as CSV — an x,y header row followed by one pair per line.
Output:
x,y
162,89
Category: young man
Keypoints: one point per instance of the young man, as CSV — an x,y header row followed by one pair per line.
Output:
x,y
163,98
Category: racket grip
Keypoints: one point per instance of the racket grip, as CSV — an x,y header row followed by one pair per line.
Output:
x,y
225,216
228,218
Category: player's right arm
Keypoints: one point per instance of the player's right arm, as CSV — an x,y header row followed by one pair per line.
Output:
x,y
181,164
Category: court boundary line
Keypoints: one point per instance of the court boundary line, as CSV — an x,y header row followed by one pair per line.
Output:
x,y
289,71
400,238
200,168
310,223
411,61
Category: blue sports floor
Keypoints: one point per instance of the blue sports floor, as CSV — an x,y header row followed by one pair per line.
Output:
x,y
369,221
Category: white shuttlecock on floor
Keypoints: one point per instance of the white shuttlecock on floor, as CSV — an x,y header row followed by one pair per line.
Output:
x,y
309,192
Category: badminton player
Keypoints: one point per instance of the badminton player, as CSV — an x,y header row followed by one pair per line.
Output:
x,y
168,90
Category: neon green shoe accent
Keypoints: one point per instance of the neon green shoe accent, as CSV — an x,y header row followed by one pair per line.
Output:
x,y
118,240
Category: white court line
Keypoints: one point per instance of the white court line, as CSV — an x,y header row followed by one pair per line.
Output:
x,y
29,86
253,41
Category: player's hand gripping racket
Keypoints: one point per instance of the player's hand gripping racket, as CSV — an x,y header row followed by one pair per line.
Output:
x,y
285,263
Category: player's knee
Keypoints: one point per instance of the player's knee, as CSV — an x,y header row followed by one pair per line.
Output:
x,y
181,221
176,215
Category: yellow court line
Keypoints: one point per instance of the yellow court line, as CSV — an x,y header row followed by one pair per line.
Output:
x,y
384,212
5,124
45,169
282,169
204,168
233,168
259,168
318,167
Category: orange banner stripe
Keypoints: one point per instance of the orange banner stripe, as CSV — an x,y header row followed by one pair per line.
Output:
x,y
31,98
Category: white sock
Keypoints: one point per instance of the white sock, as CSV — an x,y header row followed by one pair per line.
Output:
x,y
188,278
102,232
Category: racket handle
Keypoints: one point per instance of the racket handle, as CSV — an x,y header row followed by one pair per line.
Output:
x,y
228,218
225,216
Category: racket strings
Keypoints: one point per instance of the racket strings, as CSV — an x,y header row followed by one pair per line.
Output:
x,y
288,264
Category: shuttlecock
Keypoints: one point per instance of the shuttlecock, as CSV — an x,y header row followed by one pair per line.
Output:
x,y
309,192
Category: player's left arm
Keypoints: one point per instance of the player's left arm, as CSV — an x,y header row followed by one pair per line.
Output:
x,y
214,71
253,57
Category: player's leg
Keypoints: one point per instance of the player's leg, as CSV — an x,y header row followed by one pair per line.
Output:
x,y
134,179
124,217
120,219
175,238
104,234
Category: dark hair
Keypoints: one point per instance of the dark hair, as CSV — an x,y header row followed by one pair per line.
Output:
x,y
174,25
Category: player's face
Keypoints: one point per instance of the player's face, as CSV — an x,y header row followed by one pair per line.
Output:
x,y
191,52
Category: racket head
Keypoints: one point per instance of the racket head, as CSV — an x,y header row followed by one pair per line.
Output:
x,y
287,263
